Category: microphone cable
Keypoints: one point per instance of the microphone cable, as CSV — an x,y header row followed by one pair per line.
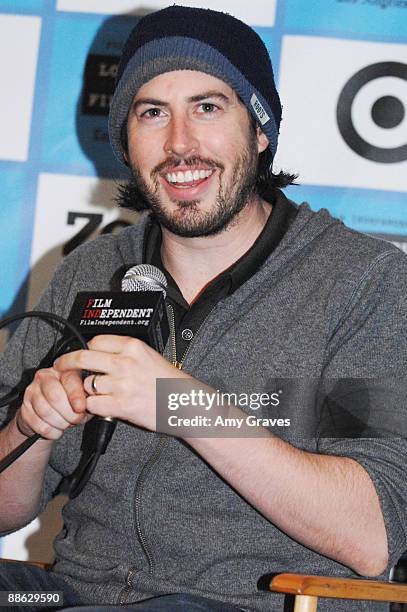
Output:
x,y
101,430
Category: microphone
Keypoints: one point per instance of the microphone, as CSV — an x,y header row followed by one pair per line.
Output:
x,y
138,311
140,316
144,277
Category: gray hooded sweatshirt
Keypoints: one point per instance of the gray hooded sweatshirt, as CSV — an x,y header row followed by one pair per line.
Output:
x,y
155,518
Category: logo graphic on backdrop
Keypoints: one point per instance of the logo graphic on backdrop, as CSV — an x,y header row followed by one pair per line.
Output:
x,y
85,208
74,135
345,120
98,89
385,112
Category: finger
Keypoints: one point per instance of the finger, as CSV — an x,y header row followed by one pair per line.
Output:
x,y
48,413
53,393
100,405
95,361
29,420
114,344
104,384
74,389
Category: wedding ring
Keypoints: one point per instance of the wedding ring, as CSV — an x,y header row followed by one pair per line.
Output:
x,y
93,385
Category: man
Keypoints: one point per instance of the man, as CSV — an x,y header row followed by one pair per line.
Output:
x,y
259,290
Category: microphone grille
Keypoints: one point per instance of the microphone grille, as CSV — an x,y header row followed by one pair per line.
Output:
x,y
144,277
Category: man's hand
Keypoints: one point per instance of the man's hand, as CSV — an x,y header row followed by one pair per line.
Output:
x,y
127,370
53,402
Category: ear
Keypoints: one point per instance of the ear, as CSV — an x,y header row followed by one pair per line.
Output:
x,y
262,140
126,157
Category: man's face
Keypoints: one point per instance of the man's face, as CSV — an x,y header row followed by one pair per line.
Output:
x,y
193,151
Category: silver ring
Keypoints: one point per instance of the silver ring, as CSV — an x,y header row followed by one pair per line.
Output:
x,y
93,384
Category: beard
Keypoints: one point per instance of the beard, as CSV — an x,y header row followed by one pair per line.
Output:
x,y
188,220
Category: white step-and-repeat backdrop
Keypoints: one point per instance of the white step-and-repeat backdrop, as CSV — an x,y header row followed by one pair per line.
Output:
x,y
341,66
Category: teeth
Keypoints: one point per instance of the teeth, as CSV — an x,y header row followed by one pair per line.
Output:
x,y
188,176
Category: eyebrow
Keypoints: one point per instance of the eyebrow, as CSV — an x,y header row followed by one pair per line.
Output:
x,y
209,94
197,98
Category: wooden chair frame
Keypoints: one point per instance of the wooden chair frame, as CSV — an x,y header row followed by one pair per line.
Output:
x,y
307,589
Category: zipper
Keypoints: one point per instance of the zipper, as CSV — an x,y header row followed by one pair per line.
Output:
x,y
171,317
179,364
143,475
127,589
140,534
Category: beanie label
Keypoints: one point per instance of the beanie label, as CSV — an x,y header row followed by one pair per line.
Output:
x,y
259,110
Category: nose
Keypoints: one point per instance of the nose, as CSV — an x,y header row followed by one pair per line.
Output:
x,y
181,139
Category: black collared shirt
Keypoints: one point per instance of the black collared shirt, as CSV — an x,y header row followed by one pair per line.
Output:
x,y
189,318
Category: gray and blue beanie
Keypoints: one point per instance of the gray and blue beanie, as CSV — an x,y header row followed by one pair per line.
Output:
x,y
183,38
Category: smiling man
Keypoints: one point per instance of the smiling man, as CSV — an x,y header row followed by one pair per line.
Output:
x,y
259,290
212,151
194,158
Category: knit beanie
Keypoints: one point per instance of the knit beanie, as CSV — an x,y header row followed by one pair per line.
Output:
x,y
183,38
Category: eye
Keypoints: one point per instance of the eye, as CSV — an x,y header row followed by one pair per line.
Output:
x,y
152,113
208,107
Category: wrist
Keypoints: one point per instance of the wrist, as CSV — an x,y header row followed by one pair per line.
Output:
x,y
23,429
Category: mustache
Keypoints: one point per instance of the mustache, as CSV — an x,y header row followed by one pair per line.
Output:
x,y
172,163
